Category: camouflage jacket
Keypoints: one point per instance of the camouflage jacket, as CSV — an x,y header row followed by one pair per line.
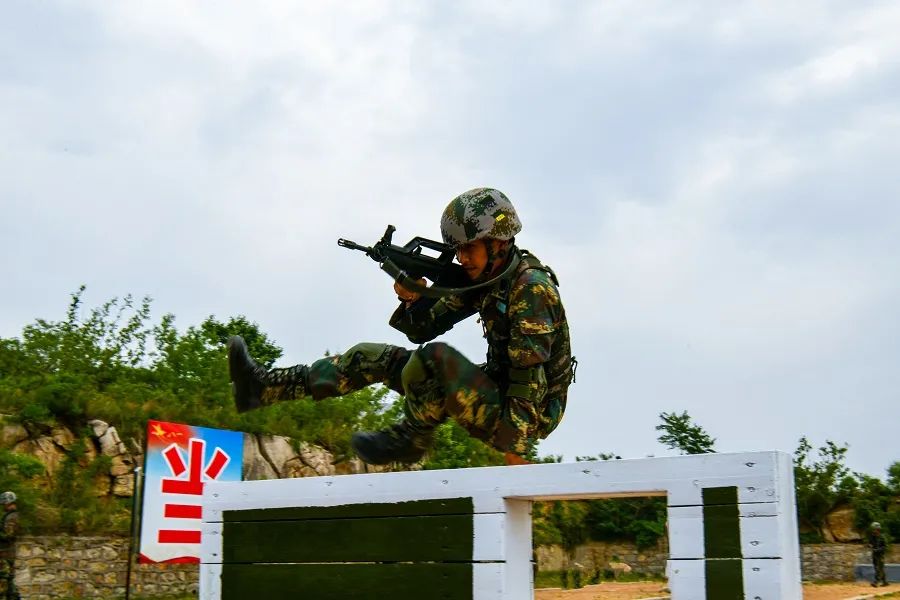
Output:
x,y
523,319
8,532
878,544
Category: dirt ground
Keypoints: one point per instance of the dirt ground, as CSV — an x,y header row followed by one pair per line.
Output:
x,y
606,591
635,591
841,591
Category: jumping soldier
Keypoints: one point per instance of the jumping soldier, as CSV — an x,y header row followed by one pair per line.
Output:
x,y
9,528
516,398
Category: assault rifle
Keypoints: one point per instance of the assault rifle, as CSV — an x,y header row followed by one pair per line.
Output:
x,y
407,264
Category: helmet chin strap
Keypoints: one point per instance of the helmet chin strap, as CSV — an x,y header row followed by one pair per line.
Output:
x,y
494,260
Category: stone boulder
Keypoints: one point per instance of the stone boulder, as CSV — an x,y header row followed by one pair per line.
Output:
x,y
256,466
839,526
110,444
321,461
98,427
274,457
43,449
11,433
63,438
619,568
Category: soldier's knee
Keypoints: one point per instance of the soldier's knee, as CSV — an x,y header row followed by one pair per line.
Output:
x,y
438,353
366,352
432,349
414,371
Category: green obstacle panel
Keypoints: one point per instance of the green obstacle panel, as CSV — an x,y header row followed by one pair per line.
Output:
x,y
721,523
724,579
722,543
414,549
348,581
397,539
448,506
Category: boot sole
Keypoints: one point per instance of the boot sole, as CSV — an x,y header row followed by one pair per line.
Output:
x,y
364,448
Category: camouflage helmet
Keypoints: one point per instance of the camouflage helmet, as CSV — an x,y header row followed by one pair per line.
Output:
x,y
7,498
876,525
478,214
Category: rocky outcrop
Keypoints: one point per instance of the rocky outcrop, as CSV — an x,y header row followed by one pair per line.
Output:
x,y
11,433
265,456
278,457
839,526
52,446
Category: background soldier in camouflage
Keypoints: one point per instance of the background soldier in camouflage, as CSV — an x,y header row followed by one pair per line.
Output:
x,y
9,529
516,398
879,546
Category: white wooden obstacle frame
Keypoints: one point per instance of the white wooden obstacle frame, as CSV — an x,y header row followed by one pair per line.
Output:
x,y
731,524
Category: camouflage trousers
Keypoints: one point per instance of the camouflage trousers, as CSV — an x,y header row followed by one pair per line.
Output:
x,y
8,590
438,383
878,564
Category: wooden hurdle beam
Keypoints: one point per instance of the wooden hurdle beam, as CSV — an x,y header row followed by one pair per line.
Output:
x,y
466,533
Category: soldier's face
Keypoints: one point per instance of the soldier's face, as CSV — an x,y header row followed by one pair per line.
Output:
x,y
473,257
476,256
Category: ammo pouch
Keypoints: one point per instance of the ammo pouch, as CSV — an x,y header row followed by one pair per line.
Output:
x,y
529,384
524,394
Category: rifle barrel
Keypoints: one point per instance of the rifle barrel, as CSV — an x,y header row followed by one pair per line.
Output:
x,y
352,245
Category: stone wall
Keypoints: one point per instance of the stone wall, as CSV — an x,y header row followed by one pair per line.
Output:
x,y
835,562
820,562
604,556
52,567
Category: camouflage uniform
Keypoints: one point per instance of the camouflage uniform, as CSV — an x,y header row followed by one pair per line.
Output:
x,y
8,532
513,400
516,398
519,395
879,546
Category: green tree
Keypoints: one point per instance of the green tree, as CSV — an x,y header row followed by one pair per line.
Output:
x,y
893,479
113,363
680,433
562,523
641,520
454,448
24,475
822,483
876,500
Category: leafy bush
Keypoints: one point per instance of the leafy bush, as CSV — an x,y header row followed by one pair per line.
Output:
x,y
112,363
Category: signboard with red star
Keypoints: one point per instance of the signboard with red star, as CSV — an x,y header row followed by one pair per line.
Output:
x,y
180,458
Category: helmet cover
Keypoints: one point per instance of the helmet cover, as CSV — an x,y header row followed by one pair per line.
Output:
x,y
478,214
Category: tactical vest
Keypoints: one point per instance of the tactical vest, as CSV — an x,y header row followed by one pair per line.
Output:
x,y
495,321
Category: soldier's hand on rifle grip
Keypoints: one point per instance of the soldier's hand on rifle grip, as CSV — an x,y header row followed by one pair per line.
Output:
x,y
405,295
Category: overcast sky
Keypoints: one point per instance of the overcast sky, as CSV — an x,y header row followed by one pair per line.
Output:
x,y
715,183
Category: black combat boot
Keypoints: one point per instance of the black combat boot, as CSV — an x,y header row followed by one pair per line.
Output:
x,y
403,442
254,386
